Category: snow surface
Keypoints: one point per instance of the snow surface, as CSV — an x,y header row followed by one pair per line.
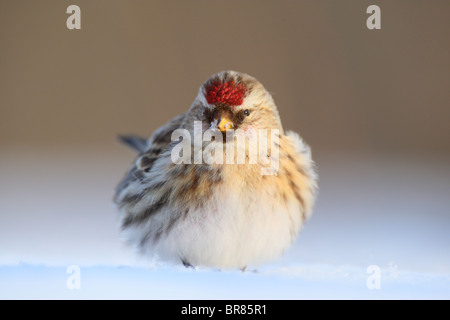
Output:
x,y
391,212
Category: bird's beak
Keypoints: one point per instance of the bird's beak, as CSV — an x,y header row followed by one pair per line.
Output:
x,y
223,123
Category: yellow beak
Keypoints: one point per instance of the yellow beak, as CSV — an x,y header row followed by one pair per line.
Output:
x,y
223,124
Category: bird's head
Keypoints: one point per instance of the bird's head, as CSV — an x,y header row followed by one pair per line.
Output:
x,y
234,100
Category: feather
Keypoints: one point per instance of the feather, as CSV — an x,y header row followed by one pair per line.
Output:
x,y
220,215
134,142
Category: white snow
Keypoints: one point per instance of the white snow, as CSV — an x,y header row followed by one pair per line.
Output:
x,y
391,212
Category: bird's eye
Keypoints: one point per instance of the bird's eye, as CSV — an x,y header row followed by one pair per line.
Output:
x,y
247,112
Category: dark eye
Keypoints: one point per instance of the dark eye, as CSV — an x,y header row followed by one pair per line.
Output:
x,y
247,112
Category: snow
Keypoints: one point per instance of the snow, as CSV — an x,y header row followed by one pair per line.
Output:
x,y
165,282
388,212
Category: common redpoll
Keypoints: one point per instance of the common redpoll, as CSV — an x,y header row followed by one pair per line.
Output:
x,y
211,198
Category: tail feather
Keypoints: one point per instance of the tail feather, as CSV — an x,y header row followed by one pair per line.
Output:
x,y
136,143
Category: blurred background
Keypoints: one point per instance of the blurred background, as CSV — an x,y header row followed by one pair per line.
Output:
x,y
374,105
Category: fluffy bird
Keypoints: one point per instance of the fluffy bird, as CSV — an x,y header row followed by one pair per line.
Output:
x,y
212,213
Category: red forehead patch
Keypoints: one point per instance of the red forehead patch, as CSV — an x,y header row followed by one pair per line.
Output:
x,y
226,92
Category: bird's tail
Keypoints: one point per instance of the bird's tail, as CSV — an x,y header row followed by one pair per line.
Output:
x,y
136,143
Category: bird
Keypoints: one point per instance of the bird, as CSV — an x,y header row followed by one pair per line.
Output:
x,y
218,214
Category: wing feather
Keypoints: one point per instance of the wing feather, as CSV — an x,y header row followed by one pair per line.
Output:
x,y
157,143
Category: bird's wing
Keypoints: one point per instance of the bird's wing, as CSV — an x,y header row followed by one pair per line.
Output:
x,y
137,143
158,141
303,171
149,150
